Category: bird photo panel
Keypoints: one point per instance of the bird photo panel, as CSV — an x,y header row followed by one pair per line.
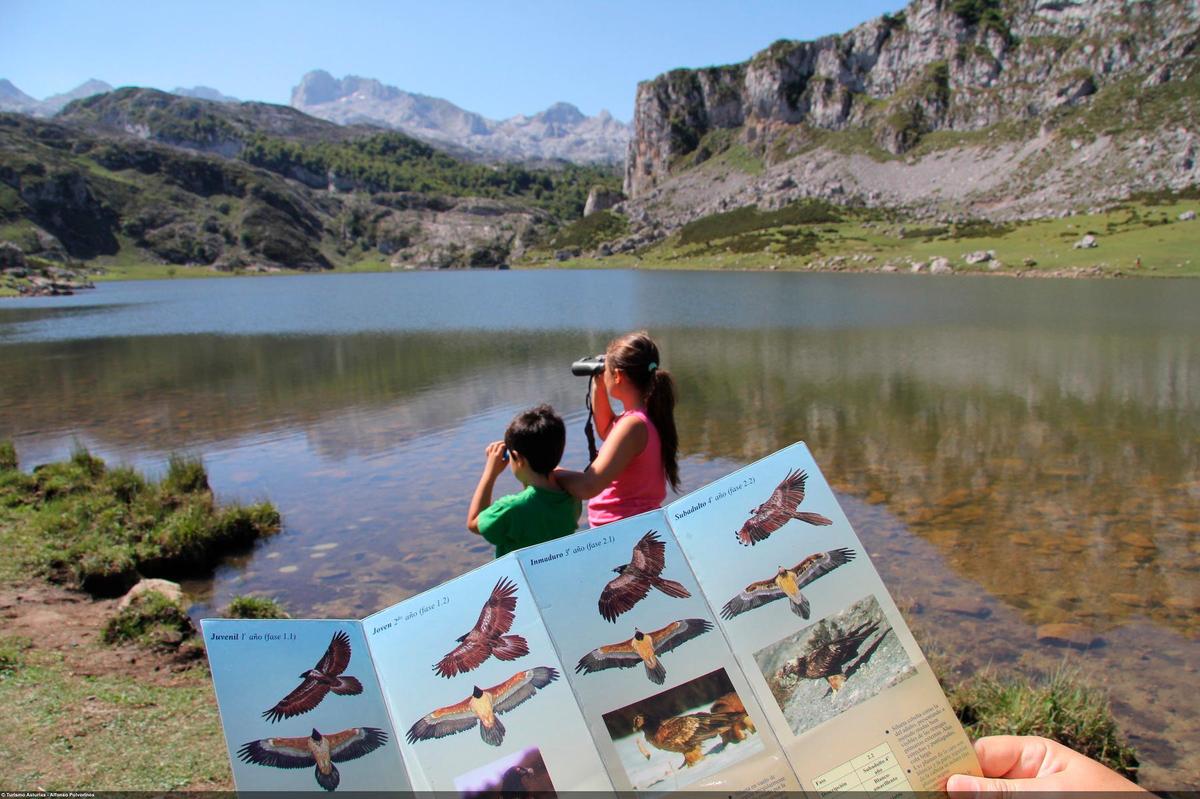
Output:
x,y
629,618
678,737
772,548
310,715
471,676
829,667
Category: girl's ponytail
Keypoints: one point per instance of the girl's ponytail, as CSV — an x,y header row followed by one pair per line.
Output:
x,y
660,407
636,355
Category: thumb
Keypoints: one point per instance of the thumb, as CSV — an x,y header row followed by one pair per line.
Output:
x,y
964,786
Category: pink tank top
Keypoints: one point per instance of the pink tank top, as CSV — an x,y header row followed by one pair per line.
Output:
x,y
642,485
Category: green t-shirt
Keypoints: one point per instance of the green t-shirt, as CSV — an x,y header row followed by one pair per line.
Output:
x,y
530,517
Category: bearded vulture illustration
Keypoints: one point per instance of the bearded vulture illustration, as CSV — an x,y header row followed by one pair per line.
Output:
x,y
635,579
318,750
787,583
482,707
782,506
487,638
319,681
644,648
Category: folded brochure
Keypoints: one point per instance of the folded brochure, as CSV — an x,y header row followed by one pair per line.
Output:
x,y
738,639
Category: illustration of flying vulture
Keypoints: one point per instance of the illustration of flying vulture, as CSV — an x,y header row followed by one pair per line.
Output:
x,y
732,703
319,681
487,638
788,582
482,706
317,750
684,734
778,510
829,660
643,648
635,579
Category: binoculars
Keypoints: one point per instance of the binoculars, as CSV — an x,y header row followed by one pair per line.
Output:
x,y
588,367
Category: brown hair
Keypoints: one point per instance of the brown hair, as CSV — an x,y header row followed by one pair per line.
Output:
x,y
637,356
539,436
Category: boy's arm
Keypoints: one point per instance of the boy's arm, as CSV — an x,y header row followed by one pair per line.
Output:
x,y
493,465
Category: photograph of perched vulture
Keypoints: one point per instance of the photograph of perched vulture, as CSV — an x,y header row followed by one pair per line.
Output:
x,y
487,638
318,750
828,667
319,681
643,648
685,719
635,579
829,660
787,583
684,734
779,509
482,707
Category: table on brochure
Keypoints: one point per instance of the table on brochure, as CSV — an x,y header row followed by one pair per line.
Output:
x,y
874,770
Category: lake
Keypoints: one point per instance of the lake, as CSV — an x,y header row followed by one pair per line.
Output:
x,y
1013,453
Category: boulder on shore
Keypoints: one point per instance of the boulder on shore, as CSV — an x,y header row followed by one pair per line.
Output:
x,y
172,591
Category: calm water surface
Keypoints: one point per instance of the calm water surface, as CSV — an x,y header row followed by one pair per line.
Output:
x,y
1013,453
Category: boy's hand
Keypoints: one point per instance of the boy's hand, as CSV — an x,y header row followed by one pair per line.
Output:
x,y
494,460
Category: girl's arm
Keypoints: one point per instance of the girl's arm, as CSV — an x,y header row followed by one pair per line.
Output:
x,y
628,438
601,408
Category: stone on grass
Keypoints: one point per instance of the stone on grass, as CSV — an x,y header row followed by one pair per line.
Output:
x,y
1086,243
171,590
940,266
1187,216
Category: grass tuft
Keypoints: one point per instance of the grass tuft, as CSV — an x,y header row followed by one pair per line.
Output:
x,y
12,654
255,607
185,475
152,620
8,456
1060,706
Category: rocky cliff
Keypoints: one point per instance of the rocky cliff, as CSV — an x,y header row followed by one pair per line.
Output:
x,y
561,131
1038,102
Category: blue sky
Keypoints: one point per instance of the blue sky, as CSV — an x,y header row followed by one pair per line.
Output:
x,y
496,58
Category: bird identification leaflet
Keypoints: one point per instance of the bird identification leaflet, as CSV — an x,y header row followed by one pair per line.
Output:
x,y
737,640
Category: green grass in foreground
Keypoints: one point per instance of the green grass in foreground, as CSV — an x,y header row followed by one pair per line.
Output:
x,y
1060,706
65,731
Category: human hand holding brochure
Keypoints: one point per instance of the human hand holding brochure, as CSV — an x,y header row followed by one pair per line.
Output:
x,y
737,640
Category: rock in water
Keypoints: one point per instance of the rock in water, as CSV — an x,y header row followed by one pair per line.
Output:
x,y
1066,634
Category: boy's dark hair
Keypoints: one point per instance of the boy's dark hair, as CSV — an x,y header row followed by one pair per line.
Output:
x,y
539,435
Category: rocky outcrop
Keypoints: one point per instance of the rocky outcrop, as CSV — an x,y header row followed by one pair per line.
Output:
x,y
963,66
601,199
561,131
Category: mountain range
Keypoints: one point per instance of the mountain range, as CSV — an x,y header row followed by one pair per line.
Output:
x,y
562,131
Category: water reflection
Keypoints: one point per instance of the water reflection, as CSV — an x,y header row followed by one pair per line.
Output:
x,y
1030,450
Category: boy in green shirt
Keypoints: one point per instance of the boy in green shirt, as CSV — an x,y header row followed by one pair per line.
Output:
x,y
533,445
